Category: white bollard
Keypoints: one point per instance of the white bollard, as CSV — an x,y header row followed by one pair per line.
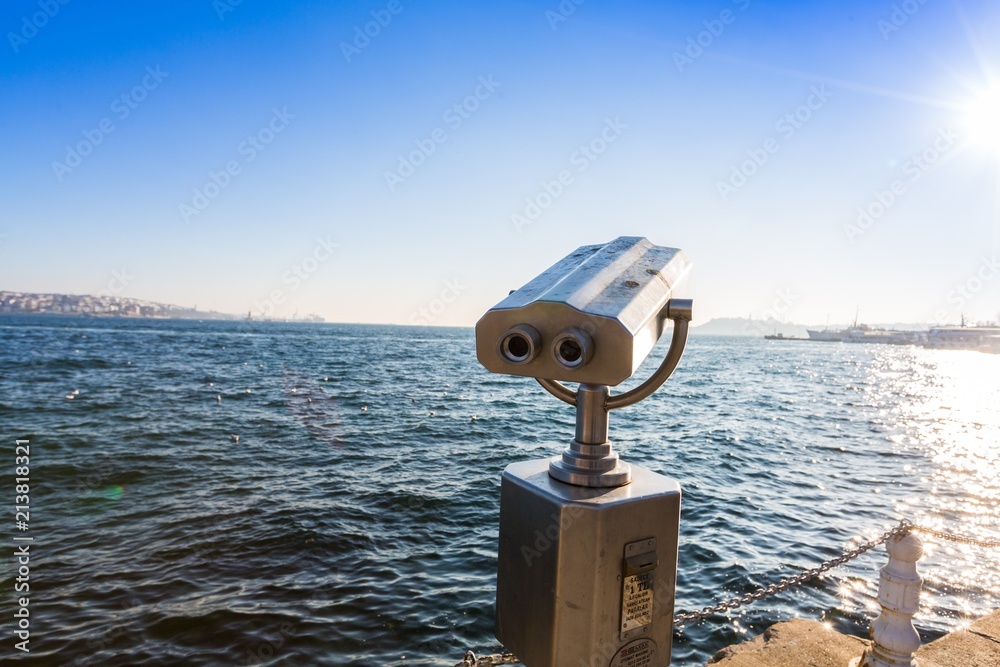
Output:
x,y
894,639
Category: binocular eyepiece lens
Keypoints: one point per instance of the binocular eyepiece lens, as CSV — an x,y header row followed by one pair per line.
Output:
x,y
570,351
573,348
519,345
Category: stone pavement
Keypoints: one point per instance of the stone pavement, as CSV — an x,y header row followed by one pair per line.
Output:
x,y
802,643
976,646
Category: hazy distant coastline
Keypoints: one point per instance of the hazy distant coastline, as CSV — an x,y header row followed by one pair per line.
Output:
x,y
32,303
743,326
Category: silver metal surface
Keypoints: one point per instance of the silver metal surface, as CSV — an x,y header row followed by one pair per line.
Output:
x,y
562,562
591,414
580,579
596,466
590,459
586,466
681,316
611,294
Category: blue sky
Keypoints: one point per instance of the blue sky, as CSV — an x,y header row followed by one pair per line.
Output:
x,y
811,158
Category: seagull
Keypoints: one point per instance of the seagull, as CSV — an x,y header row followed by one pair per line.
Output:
x,y
234,437
218,399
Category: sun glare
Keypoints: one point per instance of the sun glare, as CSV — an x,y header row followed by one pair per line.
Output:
x,y
982,120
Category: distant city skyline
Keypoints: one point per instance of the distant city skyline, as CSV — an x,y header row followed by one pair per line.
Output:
x,y
410,163
106,304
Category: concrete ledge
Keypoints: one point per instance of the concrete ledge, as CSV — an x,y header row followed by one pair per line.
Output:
x,y
976,646
796,643
801,643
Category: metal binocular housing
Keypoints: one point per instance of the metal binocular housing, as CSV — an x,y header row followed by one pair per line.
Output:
x,y
586,596
592,318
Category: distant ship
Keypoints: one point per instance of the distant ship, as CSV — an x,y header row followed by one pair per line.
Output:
x,y
862,333
985,339
836,335
865,334
828,334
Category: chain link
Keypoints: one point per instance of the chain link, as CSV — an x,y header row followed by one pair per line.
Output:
x,y
904,526
772,590
470,660
952,537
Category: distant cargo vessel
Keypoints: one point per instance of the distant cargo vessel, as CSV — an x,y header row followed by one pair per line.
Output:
x,y
986,339
827,334
865,334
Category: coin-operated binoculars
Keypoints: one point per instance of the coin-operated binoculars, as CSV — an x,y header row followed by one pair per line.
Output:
x,y
588,544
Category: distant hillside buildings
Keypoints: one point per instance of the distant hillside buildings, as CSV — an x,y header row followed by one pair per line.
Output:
x,y
22,303
27,303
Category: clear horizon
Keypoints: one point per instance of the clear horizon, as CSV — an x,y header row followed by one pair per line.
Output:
x,y
402,162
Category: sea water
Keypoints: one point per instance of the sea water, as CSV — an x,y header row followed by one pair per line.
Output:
x,y
233,493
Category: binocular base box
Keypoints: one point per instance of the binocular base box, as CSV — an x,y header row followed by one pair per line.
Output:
x,y
586,576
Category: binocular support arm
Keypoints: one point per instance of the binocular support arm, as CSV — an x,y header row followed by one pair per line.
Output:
x,y
678,310
590,459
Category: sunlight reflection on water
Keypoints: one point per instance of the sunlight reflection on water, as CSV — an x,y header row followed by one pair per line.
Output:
x,y
946,405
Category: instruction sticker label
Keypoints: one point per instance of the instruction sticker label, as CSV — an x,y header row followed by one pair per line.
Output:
x,y
637,600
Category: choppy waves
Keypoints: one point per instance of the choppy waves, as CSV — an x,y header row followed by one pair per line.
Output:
x,y
232,493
